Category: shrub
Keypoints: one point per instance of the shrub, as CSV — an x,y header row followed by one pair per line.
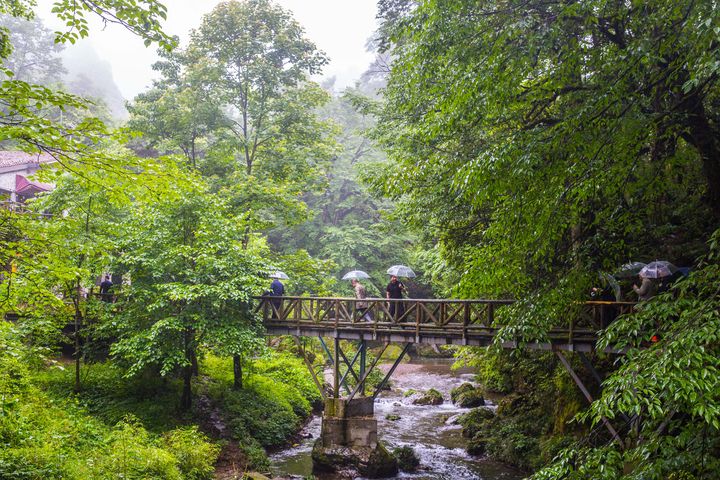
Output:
x,y
195,455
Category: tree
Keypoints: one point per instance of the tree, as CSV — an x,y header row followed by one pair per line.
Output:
x,y
529,131
178,113
191,284
35,55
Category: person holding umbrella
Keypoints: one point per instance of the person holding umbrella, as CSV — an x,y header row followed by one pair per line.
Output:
x,y
360,293
361,306
649,275
277,289
395,291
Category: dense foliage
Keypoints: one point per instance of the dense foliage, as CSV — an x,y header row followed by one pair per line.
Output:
x,y
541,142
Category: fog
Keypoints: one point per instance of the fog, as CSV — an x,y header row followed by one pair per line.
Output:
x,y
112,56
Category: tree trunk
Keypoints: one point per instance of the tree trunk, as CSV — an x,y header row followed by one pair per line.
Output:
x,y
186,399
237,372
701,135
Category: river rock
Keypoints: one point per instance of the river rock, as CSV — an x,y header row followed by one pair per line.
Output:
x,y
477,446
456,392
473,421
375,462
471,399
431,397
408,460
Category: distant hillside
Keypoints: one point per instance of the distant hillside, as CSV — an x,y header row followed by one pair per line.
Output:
x,y
90,76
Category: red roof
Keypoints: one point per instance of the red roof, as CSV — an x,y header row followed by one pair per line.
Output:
x,y
15,158
23,185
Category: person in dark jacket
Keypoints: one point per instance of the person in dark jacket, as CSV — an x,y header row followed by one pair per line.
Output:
x,y
105,287
395,291
277,289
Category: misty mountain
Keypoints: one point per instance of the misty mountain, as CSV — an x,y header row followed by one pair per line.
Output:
x,y
90,76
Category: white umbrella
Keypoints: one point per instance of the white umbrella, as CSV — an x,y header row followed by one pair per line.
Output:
x,y
279,274
658,269
401,271
356,274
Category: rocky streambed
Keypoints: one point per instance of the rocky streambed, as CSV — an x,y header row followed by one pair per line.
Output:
x,y
429,429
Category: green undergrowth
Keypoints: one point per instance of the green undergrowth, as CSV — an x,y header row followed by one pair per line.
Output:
x,y
46,433
276,399
533,421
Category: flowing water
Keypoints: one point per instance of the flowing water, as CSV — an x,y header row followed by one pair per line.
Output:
x,y
427,429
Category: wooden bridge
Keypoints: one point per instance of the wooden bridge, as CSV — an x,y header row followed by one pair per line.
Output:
x,y
408,321
430,321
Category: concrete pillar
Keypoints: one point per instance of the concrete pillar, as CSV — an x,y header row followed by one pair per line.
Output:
x,y
349,424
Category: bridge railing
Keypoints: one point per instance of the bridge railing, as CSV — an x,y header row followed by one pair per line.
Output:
x,y
428,316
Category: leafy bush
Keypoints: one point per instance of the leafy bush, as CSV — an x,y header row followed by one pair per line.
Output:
x,y
194,454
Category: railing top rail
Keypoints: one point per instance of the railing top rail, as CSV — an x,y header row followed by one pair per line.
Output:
x,y
379,299
432,300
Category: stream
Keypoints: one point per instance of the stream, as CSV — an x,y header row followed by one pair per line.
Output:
x,y
439,444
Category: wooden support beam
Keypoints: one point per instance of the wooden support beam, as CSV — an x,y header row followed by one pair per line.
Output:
x,y
343,380
363,359
585,392
392,369
336,369
591,369
369,371
310,367
327,350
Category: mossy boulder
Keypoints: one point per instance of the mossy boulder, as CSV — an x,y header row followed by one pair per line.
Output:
x,y
471,399
456,392
431,397
369,462
380,464
392,417
331,459
475,421
408,460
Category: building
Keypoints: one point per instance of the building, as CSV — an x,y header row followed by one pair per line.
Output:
x,y
16,170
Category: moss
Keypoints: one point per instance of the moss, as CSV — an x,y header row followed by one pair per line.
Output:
x,y
381,463
471,399
475,421
431,397
408,460
392,417
477,446
456,392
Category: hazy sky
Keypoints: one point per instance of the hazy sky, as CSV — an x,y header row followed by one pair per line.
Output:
x,y
340,28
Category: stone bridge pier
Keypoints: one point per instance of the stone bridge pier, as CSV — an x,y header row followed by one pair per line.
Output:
x,y
349,440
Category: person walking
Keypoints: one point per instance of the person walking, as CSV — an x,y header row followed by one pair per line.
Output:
x,y
360,306
647,289
277,289
394,291
105,286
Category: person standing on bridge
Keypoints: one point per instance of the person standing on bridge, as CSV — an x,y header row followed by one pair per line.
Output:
x,y
394,291
277,289
362,306
105,287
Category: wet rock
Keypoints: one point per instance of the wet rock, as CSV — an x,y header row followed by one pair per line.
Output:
x,y
474,421
477,446
380,464
456,392
431,397
392,417
471,399
375,462
408,460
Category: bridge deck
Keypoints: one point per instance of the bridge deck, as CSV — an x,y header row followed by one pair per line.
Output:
x,y
430,321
